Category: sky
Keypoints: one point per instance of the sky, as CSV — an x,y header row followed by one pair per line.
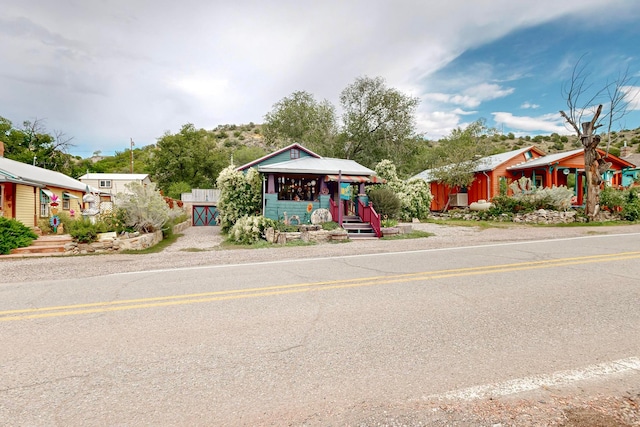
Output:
x,y
108,72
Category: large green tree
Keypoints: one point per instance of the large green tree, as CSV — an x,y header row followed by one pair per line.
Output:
x,y
33,144
300,118
378,122
190,156
457,155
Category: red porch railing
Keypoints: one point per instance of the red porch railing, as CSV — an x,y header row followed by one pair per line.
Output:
x,y
368,214
333,208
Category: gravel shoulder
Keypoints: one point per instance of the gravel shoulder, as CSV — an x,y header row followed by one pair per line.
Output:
x,y
200,246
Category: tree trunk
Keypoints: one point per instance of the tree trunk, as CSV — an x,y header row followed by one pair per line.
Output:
x,y
591,166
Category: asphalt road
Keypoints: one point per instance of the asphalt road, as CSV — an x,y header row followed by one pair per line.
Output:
x,y
306,342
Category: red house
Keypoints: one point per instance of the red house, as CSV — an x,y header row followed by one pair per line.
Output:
x,y
498,171
490,173
556,170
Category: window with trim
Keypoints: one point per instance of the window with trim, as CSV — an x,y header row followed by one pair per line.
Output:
x,y
537,181
297,189
44,205
294,153
503,185
528,155
66,202
105,183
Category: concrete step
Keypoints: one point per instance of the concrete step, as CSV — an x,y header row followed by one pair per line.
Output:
x,y
40,249
53,239
49,244
358,236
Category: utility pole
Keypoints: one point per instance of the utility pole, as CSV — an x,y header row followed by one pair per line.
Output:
x,y
131,150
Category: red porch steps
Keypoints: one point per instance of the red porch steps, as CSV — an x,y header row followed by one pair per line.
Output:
x,y
356,229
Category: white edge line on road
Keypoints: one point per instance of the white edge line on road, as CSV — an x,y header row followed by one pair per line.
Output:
x,y
286,261
561,378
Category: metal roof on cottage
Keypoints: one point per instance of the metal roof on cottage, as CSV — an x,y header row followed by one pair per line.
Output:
x,y
115,176
317,166
488,163
306,162
23,173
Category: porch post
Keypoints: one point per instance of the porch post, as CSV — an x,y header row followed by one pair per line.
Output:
x,y
580,189
340,198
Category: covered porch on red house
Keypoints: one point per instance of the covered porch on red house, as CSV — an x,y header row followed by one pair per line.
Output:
x,y
567,169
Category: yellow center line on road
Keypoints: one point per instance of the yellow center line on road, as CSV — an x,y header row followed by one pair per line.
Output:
x,y
174,300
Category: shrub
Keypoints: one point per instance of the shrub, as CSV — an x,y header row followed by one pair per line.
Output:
x,y
385,201
144,208
527,198
388,223
331,225
611,199
44,226
14,234
631,208
249,229
83,230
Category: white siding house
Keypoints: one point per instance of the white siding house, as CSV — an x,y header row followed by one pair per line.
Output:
x,y
113,183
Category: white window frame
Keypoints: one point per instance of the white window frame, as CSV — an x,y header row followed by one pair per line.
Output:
x,y
44,205
105,183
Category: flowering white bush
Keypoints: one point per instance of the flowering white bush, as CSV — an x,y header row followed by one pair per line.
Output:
x,y
240,195
414,195
249,229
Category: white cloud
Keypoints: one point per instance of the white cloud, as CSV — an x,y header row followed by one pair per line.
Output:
x,y
546,123
632,96
473,96
527,105
437,124
106,71
462,112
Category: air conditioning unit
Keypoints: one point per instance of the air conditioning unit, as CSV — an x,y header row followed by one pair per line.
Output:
x,y
459,200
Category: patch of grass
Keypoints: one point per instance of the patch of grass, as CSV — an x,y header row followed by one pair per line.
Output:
x,y
587,224
263,244
415,234
465,223
162,245
337,242
196,250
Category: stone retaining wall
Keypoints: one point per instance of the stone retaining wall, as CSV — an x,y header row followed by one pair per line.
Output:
x,y
111,242
541,216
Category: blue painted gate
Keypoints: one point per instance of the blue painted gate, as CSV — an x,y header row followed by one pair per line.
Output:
x,y
205,215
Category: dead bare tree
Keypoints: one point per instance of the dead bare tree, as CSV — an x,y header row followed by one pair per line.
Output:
x,y
575,91
619,100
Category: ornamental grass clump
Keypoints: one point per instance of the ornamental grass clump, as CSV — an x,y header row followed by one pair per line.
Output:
x,y
249,230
